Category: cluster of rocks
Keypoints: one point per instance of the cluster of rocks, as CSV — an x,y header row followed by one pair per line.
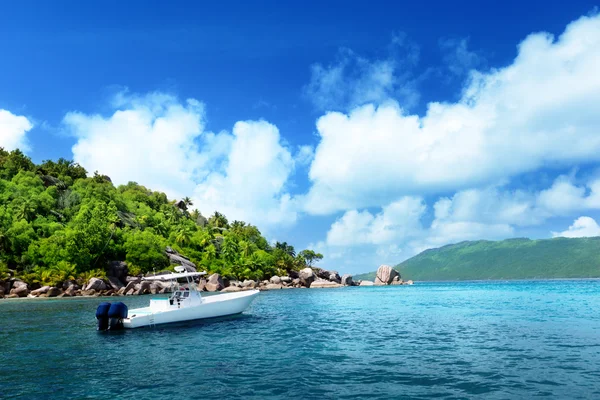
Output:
x,y
119,283
306,278
386,275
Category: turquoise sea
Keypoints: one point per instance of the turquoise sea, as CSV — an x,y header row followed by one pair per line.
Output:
x,y
492,340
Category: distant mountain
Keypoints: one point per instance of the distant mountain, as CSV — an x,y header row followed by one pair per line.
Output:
x,y
506,259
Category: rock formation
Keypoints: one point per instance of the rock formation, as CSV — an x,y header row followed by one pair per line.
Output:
x,y
321,283
307,276
178,259
215,283
95,284
20,289
347,280
385,275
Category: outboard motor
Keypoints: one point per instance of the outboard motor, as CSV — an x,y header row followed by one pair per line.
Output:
x,y
116,314
102,316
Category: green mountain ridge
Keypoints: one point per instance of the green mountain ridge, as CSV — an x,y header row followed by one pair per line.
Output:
x,y
517,258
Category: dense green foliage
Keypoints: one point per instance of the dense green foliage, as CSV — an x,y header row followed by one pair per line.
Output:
x,y
57,224
506,259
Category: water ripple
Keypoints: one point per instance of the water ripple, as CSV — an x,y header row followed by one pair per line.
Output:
x,y
453,340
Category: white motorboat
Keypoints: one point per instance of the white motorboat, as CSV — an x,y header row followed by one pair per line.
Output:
x,y
184,304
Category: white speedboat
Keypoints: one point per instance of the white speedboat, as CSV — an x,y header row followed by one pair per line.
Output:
x,y
184,304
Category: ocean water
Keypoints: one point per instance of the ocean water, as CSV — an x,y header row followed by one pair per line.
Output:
x,y
493,340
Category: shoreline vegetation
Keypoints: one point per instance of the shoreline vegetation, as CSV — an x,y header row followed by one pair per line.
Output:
x,y
64,234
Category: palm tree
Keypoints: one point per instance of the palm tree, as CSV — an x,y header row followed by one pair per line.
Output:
x,y
286,248
218,220
183,236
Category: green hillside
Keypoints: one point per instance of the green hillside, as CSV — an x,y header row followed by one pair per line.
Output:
x,y
57,223
506,259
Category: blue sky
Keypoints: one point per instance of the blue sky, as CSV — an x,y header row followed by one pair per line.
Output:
x,y
369,131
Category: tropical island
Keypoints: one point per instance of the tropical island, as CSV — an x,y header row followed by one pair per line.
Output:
x,y
63,233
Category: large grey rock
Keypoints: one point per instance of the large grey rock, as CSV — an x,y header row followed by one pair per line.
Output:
x,y
365,283
286,279
347,280
115,283
95,284
334,277
67,284
275,279
320,273
42,290
18,283
130,286
71,291
53,292
179,259
144,288
20,289
321,283
164,287
248,283
307,276
119,270
215,283
155,288
273,286
385,275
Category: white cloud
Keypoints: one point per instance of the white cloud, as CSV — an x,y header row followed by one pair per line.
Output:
x,y
539,111
353,80
251,186
160,142
149,140
582,227
397,221
13,130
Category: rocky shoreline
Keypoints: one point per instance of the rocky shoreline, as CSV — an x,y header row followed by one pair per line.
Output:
x,y
119,283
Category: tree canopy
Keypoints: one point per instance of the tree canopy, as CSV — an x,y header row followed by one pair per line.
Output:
x,y
57,223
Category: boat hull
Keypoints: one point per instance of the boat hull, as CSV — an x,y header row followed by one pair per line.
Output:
x,y
211,307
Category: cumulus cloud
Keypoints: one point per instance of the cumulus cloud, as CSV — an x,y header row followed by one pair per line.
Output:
x,y
539,111
149,140
582,227
353,80
13,130
396,221
159,141
251,186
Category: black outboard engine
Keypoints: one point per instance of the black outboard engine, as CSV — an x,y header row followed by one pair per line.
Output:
x,y
102,316
116,314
